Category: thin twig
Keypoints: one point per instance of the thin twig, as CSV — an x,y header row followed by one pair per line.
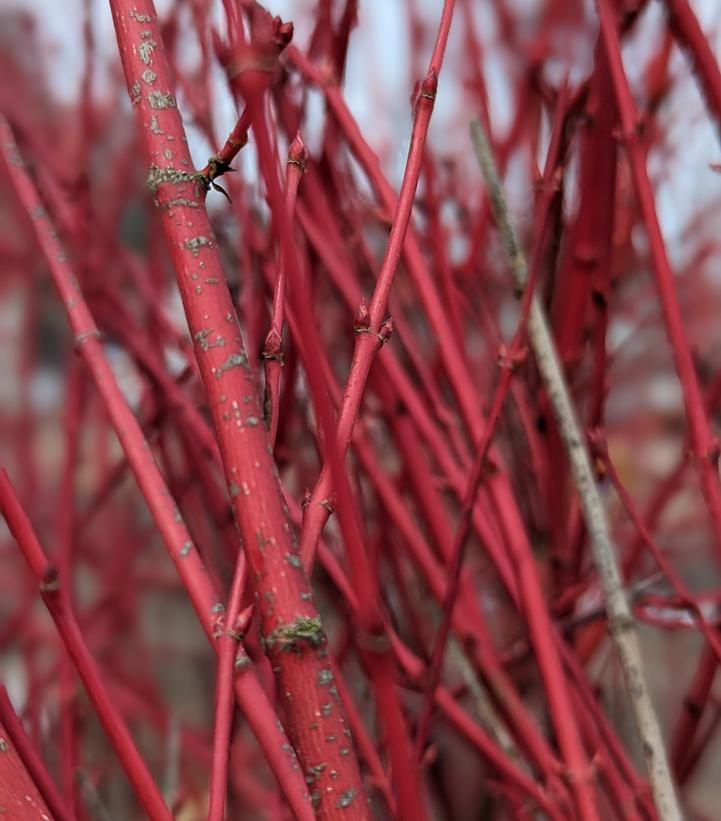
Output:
x,y
170,523
621,624
57,602
273,350
31,759
293,637
230,657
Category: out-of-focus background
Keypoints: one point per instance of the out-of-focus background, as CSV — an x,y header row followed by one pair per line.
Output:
x,y
43,75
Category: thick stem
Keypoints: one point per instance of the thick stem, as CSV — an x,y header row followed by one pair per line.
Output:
x,y
293,637
167,517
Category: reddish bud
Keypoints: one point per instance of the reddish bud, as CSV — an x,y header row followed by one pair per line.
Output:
x,y
362,319
50,582
242,620
712,451
282,33
597,440
429,86
273,345
386,329
297,152
509,357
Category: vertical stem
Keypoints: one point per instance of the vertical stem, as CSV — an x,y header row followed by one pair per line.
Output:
x,y
620,620
227,661
293,635
273,350
368,342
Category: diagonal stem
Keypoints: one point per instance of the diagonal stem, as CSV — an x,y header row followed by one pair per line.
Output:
x,y
621,624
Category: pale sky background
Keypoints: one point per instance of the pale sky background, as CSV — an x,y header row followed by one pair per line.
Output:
x,y
378,82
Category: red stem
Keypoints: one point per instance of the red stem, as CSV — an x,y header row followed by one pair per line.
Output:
x,y
165,513
288,617
509,358
273,350
228,644
56,600
686,29
703,442
369,339
26,752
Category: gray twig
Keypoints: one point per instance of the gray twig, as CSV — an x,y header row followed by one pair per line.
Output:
x,y
621,624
